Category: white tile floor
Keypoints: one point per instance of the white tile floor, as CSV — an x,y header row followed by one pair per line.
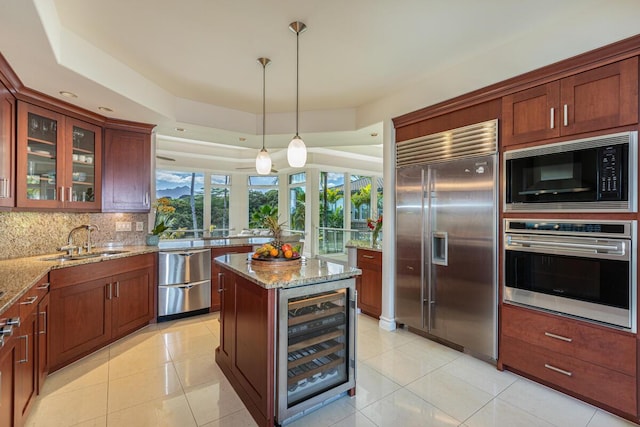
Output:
x,y
166,375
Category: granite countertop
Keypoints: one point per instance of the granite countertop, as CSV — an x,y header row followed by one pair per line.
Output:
x,y
18,275
363,244
308,271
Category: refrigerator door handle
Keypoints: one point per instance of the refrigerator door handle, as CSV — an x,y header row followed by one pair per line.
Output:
x,y
440,248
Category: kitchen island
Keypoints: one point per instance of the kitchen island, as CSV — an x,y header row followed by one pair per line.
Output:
x,y
287,334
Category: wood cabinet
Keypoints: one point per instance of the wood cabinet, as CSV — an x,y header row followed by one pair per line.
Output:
x,y
91,306
59,161
7,147
246,351
8,359
592,362
27,353
369,284
127,171
216,269
43,340
602,98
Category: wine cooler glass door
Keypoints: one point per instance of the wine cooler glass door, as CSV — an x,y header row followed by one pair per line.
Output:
x,y
316,345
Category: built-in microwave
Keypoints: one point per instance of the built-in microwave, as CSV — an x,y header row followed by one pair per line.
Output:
x,y
596,174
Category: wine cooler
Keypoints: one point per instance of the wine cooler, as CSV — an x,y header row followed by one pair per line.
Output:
x,y
316,346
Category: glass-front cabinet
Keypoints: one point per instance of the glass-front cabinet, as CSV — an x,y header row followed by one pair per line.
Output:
x,y
59,160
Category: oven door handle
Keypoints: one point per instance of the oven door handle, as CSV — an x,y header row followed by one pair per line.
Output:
x,y
611,249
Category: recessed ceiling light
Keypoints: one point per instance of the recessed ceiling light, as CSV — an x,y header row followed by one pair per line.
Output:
x,y
180,129
68,94
105,109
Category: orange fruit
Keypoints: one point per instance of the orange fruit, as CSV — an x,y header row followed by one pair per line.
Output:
x,y
273,252
256,255
288,253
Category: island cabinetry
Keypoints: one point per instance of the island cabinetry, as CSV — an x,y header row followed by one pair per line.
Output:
x,y
94,304
127,171
215,269
246,351
601,98
588,361
59,161
7,147
369,284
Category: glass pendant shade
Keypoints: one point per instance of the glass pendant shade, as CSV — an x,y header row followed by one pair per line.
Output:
x,y
297,152
263,162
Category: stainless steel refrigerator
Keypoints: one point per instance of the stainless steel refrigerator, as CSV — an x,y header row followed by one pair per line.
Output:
x,y
446,241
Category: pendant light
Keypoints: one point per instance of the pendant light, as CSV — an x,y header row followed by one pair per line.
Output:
x,y
297,152
263,161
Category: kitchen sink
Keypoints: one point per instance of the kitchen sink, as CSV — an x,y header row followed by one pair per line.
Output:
x,y
98,254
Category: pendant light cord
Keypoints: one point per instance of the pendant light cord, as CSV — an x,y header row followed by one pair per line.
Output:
x,y
297,78
264,131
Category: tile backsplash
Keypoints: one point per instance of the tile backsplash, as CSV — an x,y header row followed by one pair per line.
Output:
x,y
36,233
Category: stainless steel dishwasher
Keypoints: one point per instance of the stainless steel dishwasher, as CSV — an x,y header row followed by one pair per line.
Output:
x,y
184,283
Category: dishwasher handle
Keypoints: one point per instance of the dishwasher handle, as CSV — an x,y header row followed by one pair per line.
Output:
x,y
186,285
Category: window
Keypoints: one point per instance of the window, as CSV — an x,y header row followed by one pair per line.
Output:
x,y
297,196
263,197
220,189
331,205
185,191
360,201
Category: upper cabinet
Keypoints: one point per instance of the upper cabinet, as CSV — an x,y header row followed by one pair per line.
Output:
x,y
59,161
7,147
602,98
127,171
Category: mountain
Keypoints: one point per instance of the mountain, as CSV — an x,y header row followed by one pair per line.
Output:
x,y
174,193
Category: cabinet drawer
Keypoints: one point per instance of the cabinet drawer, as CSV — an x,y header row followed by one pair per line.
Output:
x,y
603,385
29,301
370,259
609,348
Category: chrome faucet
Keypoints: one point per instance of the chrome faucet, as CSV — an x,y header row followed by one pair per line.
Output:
x,y
70,246
90,228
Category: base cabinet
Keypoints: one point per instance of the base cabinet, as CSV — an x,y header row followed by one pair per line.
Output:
x,y
246,351
22,357
369,284
215,269
8,359
91,307
588,361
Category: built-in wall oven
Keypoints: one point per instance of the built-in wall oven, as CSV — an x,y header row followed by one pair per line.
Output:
x,y
581,268
594,174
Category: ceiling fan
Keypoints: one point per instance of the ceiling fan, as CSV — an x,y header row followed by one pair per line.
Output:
x,y
253,168
165,158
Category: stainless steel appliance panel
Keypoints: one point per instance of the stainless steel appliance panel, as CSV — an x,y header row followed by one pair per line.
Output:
x,y
184,266
461,241
184,281
409,295
183,298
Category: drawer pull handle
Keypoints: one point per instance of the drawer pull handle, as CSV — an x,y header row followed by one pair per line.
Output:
x,y
367,256
29,301
558,337
561,371
44,286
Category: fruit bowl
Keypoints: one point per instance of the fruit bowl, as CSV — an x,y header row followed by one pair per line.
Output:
x,y
273,252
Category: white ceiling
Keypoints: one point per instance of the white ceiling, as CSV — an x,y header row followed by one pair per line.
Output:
x,y
192,63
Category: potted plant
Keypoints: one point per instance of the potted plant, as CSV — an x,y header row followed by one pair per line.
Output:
x,y
162,221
